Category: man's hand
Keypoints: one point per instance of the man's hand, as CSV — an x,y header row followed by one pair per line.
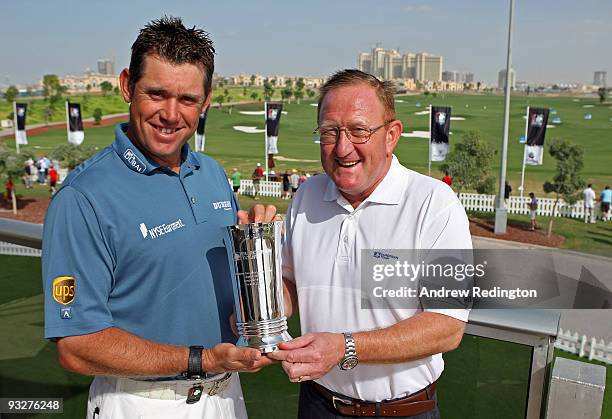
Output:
x,y
258,214
226,357
310,356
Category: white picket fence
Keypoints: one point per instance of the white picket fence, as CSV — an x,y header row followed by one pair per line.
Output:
x,y
266,188
11,249
518,205
583,346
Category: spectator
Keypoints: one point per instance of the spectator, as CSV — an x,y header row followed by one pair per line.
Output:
x,y
286,194
27,175
236,177
42,170
9,188
589,204
294,180
53,179
257,175
303,178
507,190
533,209
606,199
448,179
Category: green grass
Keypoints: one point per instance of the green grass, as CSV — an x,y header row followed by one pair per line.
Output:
x,y
578,234
483,113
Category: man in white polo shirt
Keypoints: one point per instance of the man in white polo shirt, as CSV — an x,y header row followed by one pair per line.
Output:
x,y
353,361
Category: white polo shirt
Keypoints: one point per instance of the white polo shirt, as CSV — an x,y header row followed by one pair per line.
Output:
x,y
322,252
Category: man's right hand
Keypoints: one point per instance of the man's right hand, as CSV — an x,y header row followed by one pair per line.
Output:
x,y
226,357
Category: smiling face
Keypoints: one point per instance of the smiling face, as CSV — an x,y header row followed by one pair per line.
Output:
x,y
357,169
165,104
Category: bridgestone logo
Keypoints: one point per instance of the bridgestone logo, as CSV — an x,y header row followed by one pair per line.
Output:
x,y
160,230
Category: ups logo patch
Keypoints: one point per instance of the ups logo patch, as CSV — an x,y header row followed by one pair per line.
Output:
x,y
64,289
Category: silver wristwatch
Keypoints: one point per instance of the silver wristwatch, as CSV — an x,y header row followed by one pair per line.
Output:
x,y
350,359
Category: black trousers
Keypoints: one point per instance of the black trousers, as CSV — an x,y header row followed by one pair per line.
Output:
x,y
313,405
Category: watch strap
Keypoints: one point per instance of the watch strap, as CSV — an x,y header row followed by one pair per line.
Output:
x,y
194,362
349,345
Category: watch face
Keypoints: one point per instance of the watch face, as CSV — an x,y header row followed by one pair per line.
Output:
x,y
349,363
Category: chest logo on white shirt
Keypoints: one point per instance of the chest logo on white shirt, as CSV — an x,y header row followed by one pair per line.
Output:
x,y
161,229
225,205
386,256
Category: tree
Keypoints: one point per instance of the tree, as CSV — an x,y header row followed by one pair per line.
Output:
x,y
11,93
310,93
469,163
72,155
106,87
52,86
268,90
48,114
252,82
566,182
11,165
116,90
299,89
603,94
244,91
97,115
219,99
254,95
286,93
298,94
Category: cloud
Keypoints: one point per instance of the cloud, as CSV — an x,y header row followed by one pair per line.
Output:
x,y
418,8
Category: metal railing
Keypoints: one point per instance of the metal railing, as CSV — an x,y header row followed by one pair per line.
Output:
x,y
536,329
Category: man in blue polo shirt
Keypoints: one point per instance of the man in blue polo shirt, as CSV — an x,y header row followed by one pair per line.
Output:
x,y
135,270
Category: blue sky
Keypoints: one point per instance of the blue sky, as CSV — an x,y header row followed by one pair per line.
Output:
x,y
557,41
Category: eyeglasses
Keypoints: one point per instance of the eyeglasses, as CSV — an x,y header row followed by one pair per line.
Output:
x,y
356,135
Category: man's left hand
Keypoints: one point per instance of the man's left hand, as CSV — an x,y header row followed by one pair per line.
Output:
x,y
258,214
310,356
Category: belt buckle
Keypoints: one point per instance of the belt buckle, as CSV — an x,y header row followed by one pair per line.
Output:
x,y
218,385
340,399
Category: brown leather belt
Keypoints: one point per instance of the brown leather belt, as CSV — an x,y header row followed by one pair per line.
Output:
x,y
412,405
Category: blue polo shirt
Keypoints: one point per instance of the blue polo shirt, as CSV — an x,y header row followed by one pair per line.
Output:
x,y
131,244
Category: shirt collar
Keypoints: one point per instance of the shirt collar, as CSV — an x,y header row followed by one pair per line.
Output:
x,y
135,160
388,191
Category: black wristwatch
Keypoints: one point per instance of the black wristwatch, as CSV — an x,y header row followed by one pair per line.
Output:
x,y
194,363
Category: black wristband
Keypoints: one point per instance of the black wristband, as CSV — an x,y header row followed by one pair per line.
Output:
x,y
194,363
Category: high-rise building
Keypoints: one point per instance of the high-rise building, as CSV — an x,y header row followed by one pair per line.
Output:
x,y
364,62
501,79
468,77
451,75
391,65
599,78
106,66
428,67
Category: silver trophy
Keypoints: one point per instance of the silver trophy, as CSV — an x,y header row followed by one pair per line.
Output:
x,y
258,285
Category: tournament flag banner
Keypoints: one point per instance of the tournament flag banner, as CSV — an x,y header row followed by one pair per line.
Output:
x,y
21,110
536,131
76,135
273,115
438,131
200,138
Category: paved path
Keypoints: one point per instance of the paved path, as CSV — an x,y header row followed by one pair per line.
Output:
x,y
593,323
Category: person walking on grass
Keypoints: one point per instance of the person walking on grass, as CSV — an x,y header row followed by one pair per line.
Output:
x,y
589,204
606,200
533,209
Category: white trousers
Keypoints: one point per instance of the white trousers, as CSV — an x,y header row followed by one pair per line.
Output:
x,y
106,402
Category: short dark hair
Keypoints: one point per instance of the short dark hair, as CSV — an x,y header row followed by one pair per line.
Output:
x,y
589,185
350,77
171,41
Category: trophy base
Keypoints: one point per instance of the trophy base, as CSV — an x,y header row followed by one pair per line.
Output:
x,y
265,344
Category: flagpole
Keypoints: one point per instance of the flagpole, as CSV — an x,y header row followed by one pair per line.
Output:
x,y
67,123
429,148
15,125
522,188
266,137
501,212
